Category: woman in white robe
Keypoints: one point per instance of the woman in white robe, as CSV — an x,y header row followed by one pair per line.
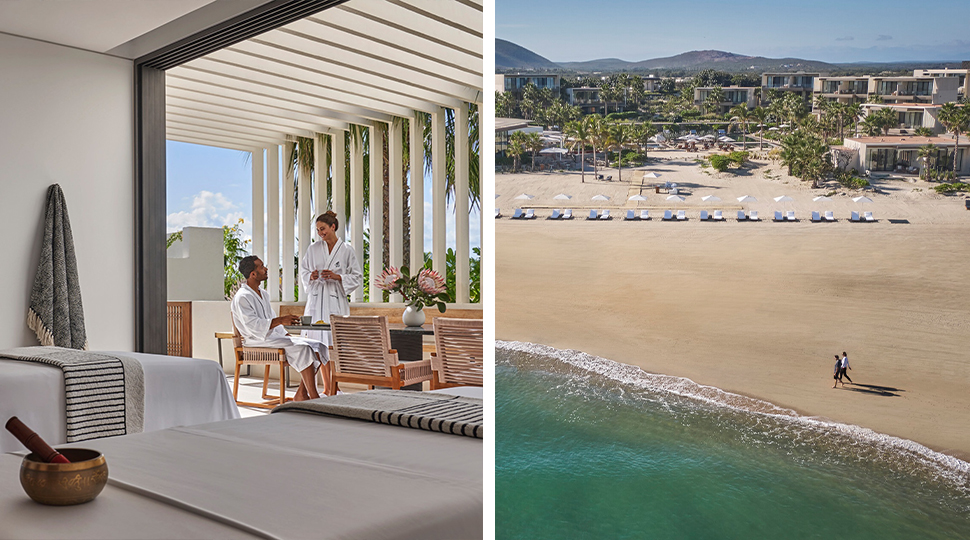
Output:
x,y
329,271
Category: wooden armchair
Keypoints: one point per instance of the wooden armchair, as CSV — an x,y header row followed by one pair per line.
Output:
x,y
457,360
362,354
266,357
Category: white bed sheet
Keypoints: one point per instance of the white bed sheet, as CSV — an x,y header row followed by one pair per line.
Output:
x,y
178,392
288,475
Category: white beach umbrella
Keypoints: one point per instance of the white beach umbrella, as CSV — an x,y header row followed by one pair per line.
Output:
x,y
784,198
637,198
822,198
747,199
710,198
553,150
677,198
725,139
709,137
651,175
600,198
773,129
783,125
563,197
862,200
525,197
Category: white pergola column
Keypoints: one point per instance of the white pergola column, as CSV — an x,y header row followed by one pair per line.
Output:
x,y
416,152
481,195
321,172
338,148
259,204
288,217
272,258
395,156
356,220
438,182
376,211
304,227
461,204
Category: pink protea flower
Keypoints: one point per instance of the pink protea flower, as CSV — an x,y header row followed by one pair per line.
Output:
x,y
430,282
389,278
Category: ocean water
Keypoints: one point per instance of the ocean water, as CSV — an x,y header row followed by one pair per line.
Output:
x,y
589,448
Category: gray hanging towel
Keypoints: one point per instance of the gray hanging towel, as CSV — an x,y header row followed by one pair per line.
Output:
x,y
55,314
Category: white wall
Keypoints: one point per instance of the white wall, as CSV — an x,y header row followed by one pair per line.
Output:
x,y
195,265
66,117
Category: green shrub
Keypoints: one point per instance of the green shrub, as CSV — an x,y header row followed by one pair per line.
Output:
x,y
851,181
720,162
738,157
952,188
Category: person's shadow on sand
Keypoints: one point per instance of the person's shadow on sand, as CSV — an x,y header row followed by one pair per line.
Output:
x,y
887,391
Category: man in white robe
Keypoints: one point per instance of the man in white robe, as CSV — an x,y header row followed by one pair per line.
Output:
x,y
260,327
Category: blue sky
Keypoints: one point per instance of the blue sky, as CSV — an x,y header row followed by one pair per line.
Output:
x,y
212,187
826,30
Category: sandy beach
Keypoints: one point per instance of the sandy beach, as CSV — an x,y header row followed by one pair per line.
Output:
x,y
754,308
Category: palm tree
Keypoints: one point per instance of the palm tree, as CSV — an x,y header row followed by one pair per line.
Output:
x,y
578,133
714,99
533,143
617,136
594,127
956,120
761,114
641,134
806,155
926,153
516,148
741,116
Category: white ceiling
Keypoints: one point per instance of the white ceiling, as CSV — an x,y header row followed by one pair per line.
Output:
x,y
361,62
94,25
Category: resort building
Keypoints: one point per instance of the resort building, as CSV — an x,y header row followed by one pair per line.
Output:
x,y
504,127
960,74
800,83
901,154
920,90
516,82
911,115
651,83
733,95
587,98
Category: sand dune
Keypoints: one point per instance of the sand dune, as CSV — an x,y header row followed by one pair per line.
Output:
x,y
758,309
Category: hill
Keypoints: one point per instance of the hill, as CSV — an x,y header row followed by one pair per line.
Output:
x,y
508,55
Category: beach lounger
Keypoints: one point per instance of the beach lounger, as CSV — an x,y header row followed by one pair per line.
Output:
x,y
778,216
753,216
630,215
681,215
816,217
741,216
530,214
718,216
567,214
868,216
518,214
555,215
854,217
644,215
592,214
790,216
704,215
498,213
609,178
829,216
667,215
605,214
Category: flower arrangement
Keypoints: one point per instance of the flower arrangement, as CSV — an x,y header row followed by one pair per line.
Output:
x,y
425,289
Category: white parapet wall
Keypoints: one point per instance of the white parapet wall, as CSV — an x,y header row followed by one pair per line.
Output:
x,y
195,265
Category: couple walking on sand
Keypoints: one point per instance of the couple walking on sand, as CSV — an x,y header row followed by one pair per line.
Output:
x,y
841,366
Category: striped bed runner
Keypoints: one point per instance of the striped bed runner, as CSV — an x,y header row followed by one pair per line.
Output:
x,y
444,413
104,394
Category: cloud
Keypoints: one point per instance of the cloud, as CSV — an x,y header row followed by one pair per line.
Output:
x,y
884,37
207,210
846,38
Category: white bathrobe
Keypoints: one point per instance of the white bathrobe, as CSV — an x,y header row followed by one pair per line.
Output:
x,y
253,314
327,297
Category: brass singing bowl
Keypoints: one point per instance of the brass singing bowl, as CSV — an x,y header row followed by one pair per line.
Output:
x,y
62,484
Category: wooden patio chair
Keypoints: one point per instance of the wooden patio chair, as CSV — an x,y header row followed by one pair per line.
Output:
x,y
362,354
264,356
457,360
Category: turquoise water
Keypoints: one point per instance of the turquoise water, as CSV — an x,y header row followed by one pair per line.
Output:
x,y
588,448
